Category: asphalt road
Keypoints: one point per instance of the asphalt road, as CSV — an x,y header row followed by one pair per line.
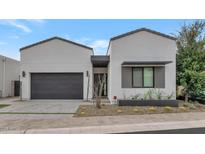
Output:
x,y
173,131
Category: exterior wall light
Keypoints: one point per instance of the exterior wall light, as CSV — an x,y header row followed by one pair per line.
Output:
x,y
23,74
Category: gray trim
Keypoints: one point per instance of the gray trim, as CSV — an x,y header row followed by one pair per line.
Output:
x,y
59,38
143,29
146,63
126,80
159,77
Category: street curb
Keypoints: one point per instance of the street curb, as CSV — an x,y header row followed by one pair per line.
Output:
x,y
120,128
111,129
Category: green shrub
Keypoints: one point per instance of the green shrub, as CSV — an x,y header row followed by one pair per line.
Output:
x,y
135,97
149,95
170,96
158,94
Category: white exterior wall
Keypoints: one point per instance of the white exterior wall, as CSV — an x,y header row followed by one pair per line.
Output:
x,y
55,56
9,71
109,94
141,46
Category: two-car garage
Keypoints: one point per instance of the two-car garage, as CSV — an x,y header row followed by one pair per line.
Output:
x,y
56,85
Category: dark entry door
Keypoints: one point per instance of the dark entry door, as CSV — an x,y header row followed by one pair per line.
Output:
x,y
57,86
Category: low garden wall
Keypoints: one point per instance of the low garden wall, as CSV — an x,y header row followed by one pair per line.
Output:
x,y
171,103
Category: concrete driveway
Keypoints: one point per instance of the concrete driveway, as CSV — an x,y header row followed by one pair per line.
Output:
x,y
40,106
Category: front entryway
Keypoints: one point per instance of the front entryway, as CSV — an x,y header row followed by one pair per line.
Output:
x,y
56,85
97,78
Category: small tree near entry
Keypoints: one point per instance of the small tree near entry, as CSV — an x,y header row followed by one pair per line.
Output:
x,y
191,58
98,89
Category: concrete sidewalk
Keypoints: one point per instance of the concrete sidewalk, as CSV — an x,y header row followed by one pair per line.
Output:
x,y
100,124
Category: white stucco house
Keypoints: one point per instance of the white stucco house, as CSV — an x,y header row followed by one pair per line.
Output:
x,y
135,62
9,77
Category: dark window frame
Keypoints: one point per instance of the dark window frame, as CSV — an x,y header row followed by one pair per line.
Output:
x,y
153,69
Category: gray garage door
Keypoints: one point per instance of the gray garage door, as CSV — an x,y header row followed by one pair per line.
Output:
x,y
57,86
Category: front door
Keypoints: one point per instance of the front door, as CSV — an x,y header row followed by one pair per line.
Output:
x,y
97,78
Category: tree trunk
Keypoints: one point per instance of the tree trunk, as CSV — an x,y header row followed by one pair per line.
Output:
x,y
98,102
186,98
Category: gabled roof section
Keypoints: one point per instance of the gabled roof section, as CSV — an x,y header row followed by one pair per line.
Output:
x,y
53,38
143,29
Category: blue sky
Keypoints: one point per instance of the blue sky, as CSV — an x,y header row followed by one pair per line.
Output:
x,y
15,34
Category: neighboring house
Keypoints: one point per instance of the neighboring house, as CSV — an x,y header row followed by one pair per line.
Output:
x,y
135,62
9,77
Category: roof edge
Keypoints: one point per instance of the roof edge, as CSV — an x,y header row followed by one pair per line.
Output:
x,y
143,29
52,38
9,58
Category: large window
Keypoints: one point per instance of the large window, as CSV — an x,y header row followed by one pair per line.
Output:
x,y
143,77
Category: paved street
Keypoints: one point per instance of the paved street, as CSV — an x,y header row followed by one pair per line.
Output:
x,y
173,131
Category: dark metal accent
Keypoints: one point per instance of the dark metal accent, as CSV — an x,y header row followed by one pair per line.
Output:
x,y
126,77
56,85
146,62
172,103
100,61
16,88
143,29
159,77
59,38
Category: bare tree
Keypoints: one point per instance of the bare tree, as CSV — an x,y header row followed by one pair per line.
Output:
x,y
98,89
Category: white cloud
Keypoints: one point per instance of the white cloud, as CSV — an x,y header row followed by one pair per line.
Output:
x,y
20,26
38,21
3,43
14,37
84,40
16,24
100,46
67,37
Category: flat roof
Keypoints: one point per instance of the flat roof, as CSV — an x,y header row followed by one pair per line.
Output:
x,y
100,60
